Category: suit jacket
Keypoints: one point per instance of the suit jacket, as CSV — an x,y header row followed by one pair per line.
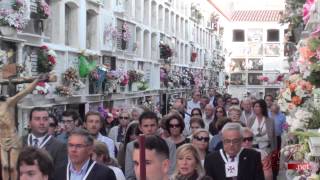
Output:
x,y
249,167
129,165
98,172
56,149
271,132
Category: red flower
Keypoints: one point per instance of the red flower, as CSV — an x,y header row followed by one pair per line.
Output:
x,y
42,84
51,59
44,47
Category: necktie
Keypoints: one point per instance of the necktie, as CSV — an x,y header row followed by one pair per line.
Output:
x,y
232,160
35,142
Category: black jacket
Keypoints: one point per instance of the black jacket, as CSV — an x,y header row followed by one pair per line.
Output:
x,y
249,167
98,172
56,149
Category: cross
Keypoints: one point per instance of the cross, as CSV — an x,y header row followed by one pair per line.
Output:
x,y
231,169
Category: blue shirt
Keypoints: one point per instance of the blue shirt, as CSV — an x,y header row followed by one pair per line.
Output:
x,y
78,175
215,140
279,120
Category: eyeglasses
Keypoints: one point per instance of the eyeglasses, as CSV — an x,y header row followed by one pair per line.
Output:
x,y
174,125
234,103
250,139
231,141
205,139
123,117
77,146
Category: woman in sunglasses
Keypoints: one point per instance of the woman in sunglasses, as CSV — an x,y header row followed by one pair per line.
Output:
x,y
265,159
200,140
118,132
175,126
196,112
188,164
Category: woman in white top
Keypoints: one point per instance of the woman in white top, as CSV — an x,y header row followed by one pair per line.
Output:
x,y
262,127
101,155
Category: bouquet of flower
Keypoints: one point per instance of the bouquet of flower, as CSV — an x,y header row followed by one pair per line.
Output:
x,y
174,79
165,51
124,79
70,76
135,75
42,88
43,9
15,17
46,59
63,91
125,33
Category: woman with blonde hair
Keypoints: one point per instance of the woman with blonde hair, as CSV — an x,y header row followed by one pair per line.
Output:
x,y
200,139
188,164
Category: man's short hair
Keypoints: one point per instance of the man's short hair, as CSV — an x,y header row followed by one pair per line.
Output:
x,y
70,113
36,109
268,95
35,156
92,113
148,115
232,126
84,133
156,143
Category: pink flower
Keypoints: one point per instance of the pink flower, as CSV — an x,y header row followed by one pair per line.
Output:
x,y
44,47
263,78
306,10
42,84
52,60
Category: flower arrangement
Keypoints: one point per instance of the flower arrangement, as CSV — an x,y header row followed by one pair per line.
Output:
x,y
307,8
15,17
124,79
194,56
279,78
43,9
196,12
186,78
142,85
135,75
164,76
125,34
174,79
165,51
70,76
63,91
46,59
42,88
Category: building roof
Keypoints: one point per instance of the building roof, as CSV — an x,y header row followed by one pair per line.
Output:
x,y
256,15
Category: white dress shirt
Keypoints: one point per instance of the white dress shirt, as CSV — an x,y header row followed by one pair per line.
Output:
x,y
109,143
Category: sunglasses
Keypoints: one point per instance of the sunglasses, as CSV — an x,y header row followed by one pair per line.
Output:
x,y
205,139
122,117
174,125
250,139
234,103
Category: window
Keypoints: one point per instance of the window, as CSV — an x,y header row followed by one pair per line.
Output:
x,y
238,35
273,35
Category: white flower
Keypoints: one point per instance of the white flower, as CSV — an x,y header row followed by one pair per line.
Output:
x,y
52,53
287,94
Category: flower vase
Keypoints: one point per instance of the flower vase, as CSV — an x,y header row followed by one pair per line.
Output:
x,y
8,31
123,44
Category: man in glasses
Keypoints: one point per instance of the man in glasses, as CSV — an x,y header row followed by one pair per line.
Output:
x,y
81,166
265,159
233,161
69,119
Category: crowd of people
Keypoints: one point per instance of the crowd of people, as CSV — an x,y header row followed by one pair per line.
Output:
x,y
211,136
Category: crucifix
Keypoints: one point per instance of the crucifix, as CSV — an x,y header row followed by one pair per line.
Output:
x,y
9,140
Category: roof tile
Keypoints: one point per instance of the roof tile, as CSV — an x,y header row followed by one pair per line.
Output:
x,y
256,15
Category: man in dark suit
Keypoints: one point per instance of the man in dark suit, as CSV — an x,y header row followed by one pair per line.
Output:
x,y
39,137
233,162
81,166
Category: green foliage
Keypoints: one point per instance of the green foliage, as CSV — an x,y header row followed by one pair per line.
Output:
x,y
314,121
314,76
314,44
43,65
